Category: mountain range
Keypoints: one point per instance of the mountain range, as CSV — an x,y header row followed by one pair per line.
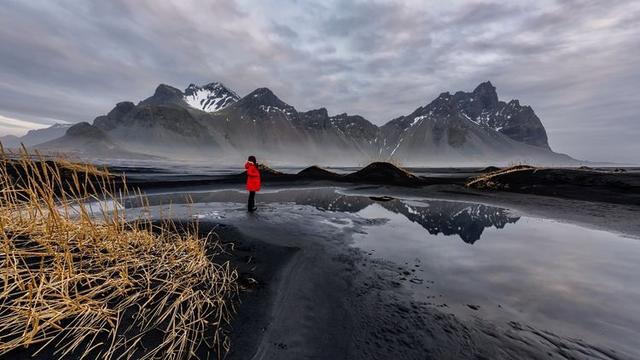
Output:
x,y
212,122
36,136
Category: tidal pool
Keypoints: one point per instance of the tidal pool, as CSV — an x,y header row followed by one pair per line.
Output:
x,y
574,281
469,259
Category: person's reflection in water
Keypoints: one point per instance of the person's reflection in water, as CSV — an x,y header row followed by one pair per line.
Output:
x,y
253,182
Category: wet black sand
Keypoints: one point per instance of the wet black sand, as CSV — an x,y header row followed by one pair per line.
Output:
x,y
318,298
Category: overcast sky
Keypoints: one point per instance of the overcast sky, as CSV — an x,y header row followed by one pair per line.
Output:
x,y
577,63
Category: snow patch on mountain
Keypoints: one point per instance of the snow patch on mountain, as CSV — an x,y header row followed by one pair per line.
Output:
x,y
418,119
210,98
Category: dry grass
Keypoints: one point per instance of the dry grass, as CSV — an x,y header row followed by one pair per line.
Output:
x,y
487,181
87,283
80,167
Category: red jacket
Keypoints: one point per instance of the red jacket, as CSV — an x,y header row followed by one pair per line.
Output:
x,y
253,176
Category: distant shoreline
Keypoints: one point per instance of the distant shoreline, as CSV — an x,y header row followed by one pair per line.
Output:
x,y
609,185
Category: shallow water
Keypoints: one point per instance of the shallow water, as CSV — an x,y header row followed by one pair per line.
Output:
x,y
574,281
469,259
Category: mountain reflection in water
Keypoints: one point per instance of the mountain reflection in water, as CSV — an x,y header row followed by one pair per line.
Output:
x,y
466,220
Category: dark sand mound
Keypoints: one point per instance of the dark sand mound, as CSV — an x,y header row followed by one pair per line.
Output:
x,y
383,173
316,172
267,173
490,169
584,184
375,173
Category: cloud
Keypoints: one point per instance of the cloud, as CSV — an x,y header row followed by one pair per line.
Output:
x,y
11,126
576,62
284,31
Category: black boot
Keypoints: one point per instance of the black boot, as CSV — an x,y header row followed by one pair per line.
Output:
x,y
251,205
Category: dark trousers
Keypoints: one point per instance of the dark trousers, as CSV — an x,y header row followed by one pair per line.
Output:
x,y
252,201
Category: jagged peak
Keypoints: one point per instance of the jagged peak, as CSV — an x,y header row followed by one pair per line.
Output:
x,y
263,91
444,95
444,100
84,129
121,108
321,111
263,96
209,85
125,104
484,87
487,94
164,89
345,116
212,86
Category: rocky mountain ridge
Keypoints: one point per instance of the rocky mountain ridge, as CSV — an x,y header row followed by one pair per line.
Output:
x,y
35,136
214,122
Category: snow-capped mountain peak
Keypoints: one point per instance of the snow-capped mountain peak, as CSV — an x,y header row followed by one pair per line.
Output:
x,y
210,98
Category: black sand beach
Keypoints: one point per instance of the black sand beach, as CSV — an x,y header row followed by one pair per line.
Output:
x,y
317,296
318,283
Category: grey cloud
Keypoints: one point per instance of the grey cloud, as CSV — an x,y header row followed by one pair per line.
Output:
x,y
576,62
486,12
284,31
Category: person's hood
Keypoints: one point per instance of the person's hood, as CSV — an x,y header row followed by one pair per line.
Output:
x,y
248,163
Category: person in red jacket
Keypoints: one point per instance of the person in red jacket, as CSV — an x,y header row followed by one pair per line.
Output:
x,y
253,181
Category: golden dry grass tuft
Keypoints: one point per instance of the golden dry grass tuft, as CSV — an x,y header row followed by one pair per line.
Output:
x,y
80,279
487,180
